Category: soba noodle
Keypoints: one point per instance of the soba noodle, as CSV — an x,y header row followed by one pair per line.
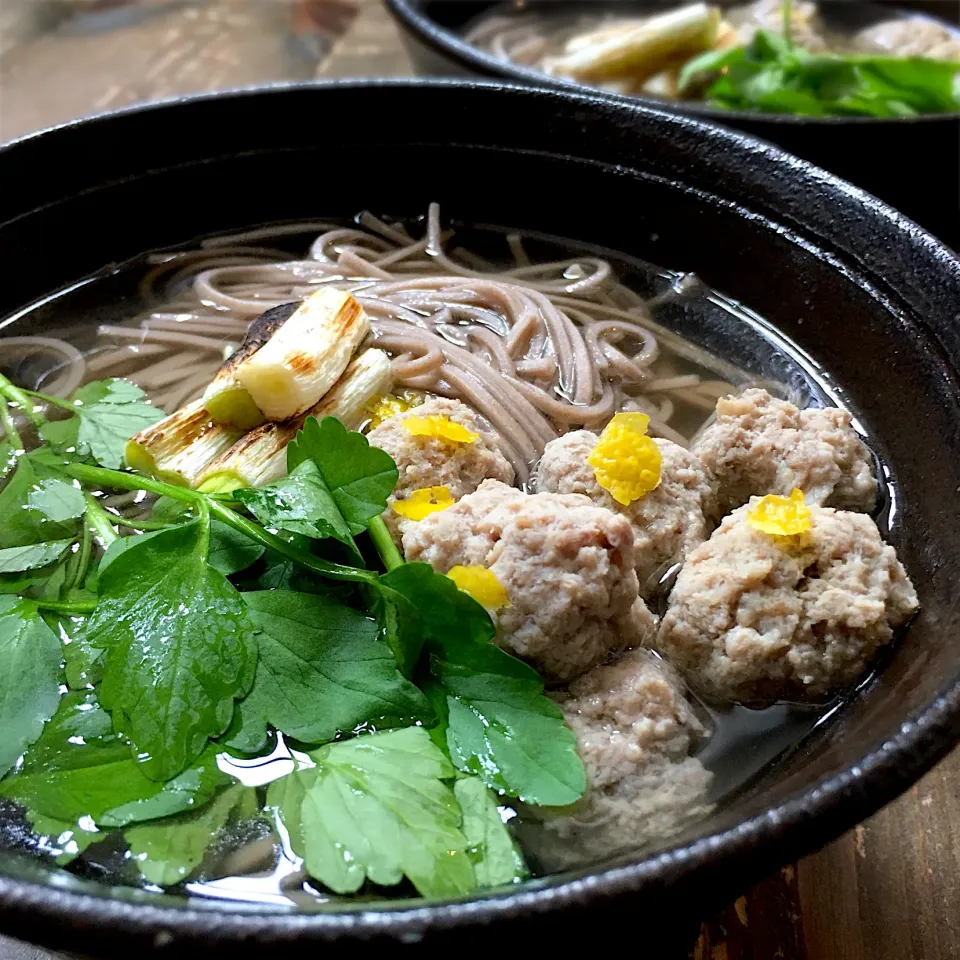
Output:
x,y
537,349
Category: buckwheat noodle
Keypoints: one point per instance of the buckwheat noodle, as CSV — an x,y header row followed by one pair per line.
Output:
x,y
537,349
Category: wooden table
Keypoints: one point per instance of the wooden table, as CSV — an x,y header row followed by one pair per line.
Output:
x,y
890,890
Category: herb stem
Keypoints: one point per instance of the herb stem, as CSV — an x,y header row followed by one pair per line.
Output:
x,y
204,518
308,561
146,525
81,558
22,399
382,540
67,606
118,480
100,521
9,427
53,401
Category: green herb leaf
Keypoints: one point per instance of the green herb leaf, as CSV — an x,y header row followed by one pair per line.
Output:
x,y
770,75
20,525
376,808
78,771
496,859
300,503
83,660
427,604
230,551
502,728
62,840
107,414
322,671
358,476
180,646
57,500
29,687
33,557
167,851
8,457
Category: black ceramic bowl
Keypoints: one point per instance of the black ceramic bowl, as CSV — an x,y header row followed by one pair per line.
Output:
x,y
865,292
913,164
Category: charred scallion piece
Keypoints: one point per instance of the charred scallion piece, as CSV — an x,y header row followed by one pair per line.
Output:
x,y
643,49
260,456
179,447
226,400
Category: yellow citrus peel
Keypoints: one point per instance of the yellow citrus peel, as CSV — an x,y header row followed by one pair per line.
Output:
x,y
625,461
390,404
439,426
421,503
780,516
482,585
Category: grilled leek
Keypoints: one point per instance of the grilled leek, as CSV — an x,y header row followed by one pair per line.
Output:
x,y
180,447
306,356
640,50
226,399
261,455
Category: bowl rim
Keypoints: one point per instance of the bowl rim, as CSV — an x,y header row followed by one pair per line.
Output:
x,y
415,21
759,843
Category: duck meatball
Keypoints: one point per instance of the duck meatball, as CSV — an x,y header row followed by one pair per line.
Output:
x,y
755,616
426,461
566,566
760,445
635,733
667,522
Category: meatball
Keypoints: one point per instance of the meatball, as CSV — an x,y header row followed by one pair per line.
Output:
x,y
635,731
566,565
914,37
434,462
757,617
760,445
667,523
626,712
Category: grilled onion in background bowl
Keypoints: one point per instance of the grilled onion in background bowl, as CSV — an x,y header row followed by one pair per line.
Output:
x,y
911,162
867,297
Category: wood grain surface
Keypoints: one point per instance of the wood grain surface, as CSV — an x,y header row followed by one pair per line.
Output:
x,y
889,890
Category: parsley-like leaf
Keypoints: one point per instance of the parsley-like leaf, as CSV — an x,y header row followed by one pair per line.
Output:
x,y
167,851
376,808
772,75
106,414
358,476
230,552
496,859
57,500
500,726
32,557
8,457
20,525
80,771
300,503
29,688
322,671
180,646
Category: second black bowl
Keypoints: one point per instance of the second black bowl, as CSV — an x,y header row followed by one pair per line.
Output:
x,y
911,163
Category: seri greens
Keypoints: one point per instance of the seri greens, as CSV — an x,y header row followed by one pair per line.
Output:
x,y
135,664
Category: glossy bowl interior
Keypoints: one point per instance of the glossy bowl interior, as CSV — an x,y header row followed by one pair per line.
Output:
x,y
913,164
866,293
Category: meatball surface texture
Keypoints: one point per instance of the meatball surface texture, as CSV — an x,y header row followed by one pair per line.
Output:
x,y
759,617
566,565
667,523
